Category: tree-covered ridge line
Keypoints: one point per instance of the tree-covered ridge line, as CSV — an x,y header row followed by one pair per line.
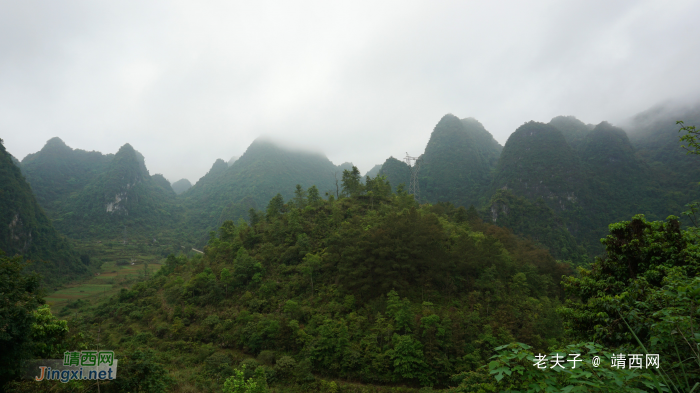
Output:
x,y
377,289
26,230
586,176
370,287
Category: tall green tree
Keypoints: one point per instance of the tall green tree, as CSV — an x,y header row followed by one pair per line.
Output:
x,y
351,183
638,256
300,200
20,295
314,196
275,207
48,334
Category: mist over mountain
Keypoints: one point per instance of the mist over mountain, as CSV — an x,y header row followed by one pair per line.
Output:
x,y
181,186
654,135
277,224
263,171
559,183
573,129
102,194
373,171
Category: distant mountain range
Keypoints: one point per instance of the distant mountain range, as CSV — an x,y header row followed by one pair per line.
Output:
x,y
560,183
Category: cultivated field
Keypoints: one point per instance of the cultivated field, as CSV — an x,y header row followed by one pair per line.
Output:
x,y
120,266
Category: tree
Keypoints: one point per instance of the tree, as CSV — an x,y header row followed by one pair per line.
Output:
x,y
311,263
226,279
379,186
48,334
400,310
275,207
139,371
246,268
20,295
314,196
638,256
300,197
692,138
237,383
408,358
352,186
254,217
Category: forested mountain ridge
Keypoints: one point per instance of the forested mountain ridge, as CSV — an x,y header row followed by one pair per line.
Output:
x,y
181,186
376,288
397,172
457,162
573,129
455,166
123,195
537,162
586,175
654,135
25,229
374,171
350,288
264,170
57,170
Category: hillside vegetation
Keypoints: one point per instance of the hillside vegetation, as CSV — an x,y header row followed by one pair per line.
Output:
x,y
362,288
26,230
370,288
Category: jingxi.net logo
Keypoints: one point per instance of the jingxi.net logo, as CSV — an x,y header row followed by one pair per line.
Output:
x,y
76,365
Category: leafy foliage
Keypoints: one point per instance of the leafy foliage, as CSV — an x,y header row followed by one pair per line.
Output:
x,y
20,295
25,229
376,289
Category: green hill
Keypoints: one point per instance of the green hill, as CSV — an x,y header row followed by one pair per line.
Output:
x,y
396,172
457,162
620,185
344,289
25,229
181,186
374,171
57,170
536,162
123,195
264,170
654,135
573,129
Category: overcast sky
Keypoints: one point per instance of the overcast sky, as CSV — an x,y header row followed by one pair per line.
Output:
x,y
187,82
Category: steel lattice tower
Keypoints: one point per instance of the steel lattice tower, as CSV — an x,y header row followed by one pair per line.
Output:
x,y
414,188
